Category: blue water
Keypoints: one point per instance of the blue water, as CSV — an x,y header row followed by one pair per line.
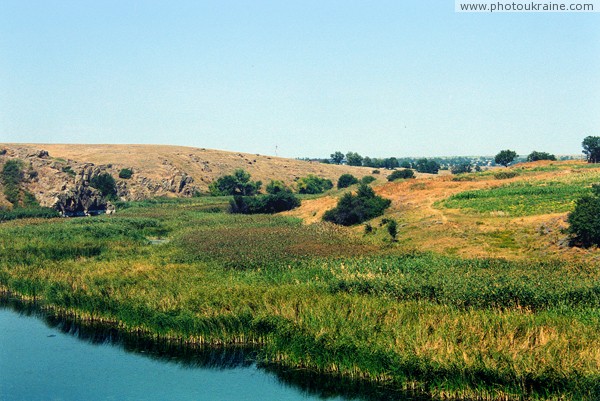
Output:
x,y
39,362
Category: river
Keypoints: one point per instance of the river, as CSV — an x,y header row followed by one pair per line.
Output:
x,y
42,358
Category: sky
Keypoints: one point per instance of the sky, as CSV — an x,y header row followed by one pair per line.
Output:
x,y
299,78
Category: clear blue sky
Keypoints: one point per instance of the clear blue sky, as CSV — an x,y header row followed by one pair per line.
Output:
x,y
383,78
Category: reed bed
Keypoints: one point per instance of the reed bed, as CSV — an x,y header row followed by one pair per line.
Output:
x,y
320,298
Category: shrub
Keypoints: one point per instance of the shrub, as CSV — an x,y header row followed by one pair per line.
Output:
x,y
461,168
584,220
535,156
12,174
268,204
503,175
105,183
68,170
346,180
375,172
367,179
275,186
237,184
312,184
354,209
2,152
392,228
398,174
125,173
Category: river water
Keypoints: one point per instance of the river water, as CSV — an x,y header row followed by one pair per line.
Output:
x,y
46,359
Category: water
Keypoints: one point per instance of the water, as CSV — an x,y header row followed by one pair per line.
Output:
x,y
46,359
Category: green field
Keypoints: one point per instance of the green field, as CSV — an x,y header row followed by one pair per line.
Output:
x,y
321,297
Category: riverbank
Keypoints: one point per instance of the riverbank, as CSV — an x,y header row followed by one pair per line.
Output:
x,y
320,297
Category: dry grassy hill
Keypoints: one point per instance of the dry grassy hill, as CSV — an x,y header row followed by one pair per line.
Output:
x,y
158,170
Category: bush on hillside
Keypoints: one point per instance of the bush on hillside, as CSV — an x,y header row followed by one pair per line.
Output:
x,y
125,173
398,174
236,184
105,183
311,184
367,179
267,204
504,175
584,220
346,180
354,209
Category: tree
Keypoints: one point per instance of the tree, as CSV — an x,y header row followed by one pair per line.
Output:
x,y
505,157
268,204
461,168
311,184
398,174
535,156
354,159
337,157
427,166
237,184
105,183
584,220
346,180
591,148
392,228
275,186
354,209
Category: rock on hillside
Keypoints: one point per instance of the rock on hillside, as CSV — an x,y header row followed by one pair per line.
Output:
x,y
60,174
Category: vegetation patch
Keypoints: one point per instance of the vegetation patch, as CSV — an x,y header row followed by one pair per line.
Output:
x,y
354,209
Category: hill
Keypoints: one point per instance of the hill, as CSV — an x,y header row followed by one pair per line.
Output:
x,y
158,170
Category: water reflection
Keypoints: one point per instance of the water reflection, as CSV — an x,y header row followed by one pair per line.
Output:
x,y
308,382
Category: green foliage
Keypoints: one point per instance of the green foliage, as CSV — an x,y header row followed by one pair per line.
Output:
x,y
354,159
267,204
584,220
520,198
375,172
12,174
276,186
27,213
3,152
367,179
125,173
429,166
398,174
337,157
504,175
311,184
535,156
591,148
354,209
505,157
461,168
105,183
392,228
237,184
346,180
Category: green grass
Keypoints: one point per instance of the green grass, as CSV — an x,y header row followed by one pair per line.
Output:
x,y
524,198
319,297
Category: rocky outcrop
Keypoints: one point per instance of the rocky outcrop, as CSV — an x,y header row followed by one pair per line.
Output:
x,y
82,201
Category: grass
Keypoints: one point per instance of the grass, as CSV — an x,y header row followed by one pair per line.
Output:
x,y
525,198
319,297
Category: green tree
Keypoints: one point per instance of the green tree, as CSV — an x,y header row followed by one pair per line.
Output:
x,y
461,168
237,184
535,156
505,157
276,186
346,180
311,184
429,166
354,209
398,174
267,204
354,159
584,220
105,183
591,148
337,157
